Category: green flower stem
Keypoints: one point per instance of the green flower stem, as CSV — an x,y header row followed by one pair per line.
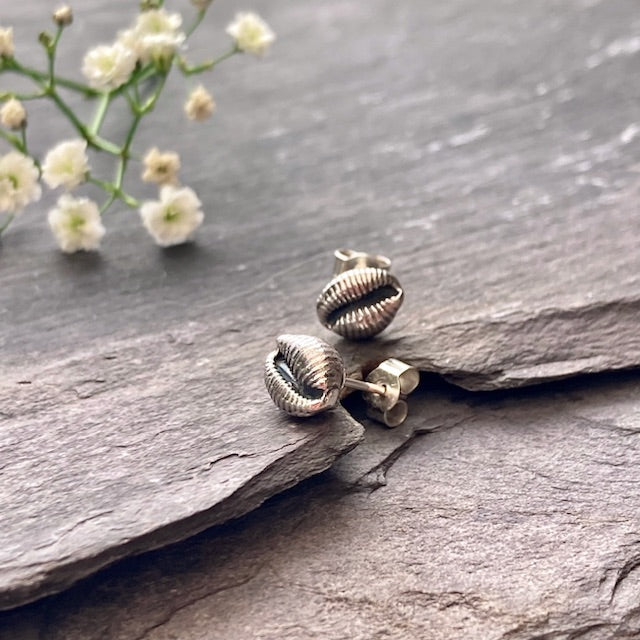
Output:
x,y
103,184
49,89
130,201
51,57
133,101
148,106
12,64
20,143
7,95
66,110
14,141
139,111
120,171
94,141
25,148
107,203
79,87
143,74
136,94
101,112
188,70
115,193
196,23
115,189
124,153
126,147
6,224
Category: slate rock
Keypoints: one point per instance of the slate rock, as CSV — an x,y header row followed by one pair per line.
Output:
x,y
490,149
108,454
511,517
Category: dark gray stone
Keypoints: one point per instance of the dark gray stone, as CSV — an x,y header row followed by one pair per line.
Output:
x,y
114,452
513,517
491,149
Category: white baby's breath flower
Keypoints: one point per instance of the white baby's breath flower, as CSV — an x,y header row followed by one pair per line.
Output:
x,y
200,104
6,42
76,224
18,182
155,36
109,66
13,114
173,218
66,164
251,33
63,16
161,167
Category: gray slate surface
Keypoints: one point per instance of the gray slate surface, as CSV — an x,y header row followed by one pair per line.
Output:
x,y
112,453
514,517
491,149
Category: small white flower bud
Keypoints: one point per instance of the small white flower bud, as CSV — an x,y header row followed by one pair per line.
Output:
x,y
63,16
155,36
76,224
161,167
13,115
174,217
6,43
66,165
251,33
18,182
200,105
108,66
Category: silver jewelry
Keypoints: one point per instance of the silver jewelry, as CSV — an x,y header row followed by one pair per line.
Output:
x,y
362,298
305,376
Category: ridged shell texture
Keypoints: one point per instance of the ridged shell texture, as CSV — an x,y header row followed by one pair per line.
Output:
x,y
304,376
360,303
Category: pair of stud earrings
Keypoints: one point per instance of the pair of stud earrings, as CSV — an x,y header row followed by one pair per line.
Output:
x,y
306,375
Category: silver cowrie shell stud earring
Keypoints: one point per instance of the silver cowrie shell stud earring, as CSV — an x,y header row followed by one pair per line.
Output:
x,y
362,298
305,376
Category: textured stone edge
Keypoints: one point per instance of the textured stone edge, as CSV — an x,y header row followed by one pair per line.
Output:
x,y
280,475
519,348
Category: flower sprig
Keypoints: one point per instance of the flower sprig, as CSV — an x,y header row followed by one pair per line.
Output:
x,y
134,68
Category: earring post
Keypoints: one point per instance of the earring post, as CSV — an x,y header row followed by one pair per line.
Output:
x,y
370,387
